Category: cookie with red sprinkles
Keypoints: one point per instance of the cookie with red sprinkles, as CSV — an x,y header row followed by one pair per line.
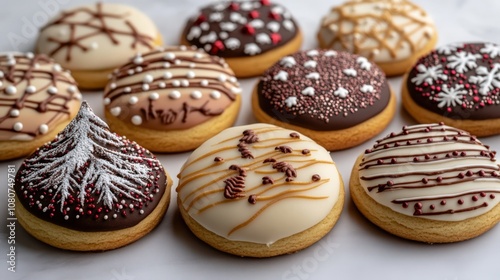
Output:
x,y
458,84
338,99
90,189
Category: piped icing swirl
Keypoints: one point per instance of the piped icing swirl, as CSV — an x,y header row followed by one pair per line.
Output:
x,y
97,36
36,94
323,90
240,28
90,179
381,30
432,171
258,183
171,88
458,81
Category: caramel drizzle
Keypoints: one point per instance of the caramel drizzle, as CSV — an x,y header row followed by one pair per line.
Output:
x,y
447,177
100,27
347,38
26,70
235,188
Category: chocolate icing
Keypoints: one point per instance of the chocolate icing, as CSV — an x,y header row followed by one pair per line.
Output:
x,y
227,28
89,179
313,84
458,89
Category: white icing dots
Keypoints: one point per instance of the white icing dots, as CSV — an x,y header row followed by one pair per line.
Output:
x,y
291,101
273,26
115,111
148,79
154,96
263,39
14,113
282,76
174,94
133,100
215,94
350,72
190,75
18,126
52,90
196,94
127,89
176,83
341,92
107,101
72,89
169,56
167,75
136,120
204,83
222,78
31,89
145,87
43,129
308,91
138,59
162,85
184,83
166,65
11,90
94,45
251,49
112,85
310,64
29,55
232,43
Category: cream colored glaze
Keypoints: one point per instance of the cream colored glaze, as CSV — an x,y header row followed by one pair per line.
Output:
x,y
381,30
279,220
30,118
190,62
102,53
448,168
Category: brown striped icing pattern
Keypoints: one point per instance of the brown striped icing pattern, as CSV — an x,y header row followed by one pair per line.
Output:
x,y
286,184
432,171
171,88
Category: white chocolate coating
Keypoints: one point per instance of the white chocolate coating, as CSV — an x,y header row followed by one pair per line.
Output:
x,y
282,208
447,176
382,30
95,44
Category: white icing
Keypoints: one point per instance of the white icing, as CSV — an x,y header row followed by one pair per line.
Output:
x,y
154,96
147,79
11,90
450,97
282,76
18,126
492,50
350,72
209,38
196,94
428,74
257,23
330,53
341,92
52,90
194,32
115,111
313,76
364,63
449,48
223,35
312,53
308,91
288,24
175,94
263,38
133,100
137,120
215,94
286,216
288,61
310,64
291,101
228,26
14,113
252,49
232,43
31,89
274,26
217,17
462,61
43,129
486,79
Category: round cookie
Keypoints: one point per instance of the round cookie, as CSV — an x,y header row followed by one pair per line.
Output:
x,y
338,99
38,99
392,33
250,35
90,189
172,99
431,183
92,40
458,84
260,191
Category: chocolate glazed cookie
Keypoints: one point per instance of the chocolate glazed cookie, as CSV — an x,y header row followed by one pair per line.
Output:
x,y
458,84
338,99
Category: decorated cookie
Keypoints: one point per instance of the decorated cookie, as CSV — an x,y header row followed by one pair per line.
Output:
x,y
38,99
338,99
458,84
90,189
172,99
392,33
260,191
250,35
431,183
92,40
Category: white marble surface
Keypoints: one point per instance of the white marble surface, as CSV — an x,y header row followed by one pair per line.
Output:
x,y
354,249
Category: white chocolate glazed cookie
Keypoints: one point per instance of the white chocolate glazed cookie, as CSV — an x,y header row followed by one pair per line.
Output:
x,y
94,39
37,100
392,33
437,181
260,190
172,99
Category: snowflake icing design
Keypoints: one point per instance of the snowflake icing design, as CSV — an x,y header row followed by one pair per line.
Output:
x,y
491,49
463,61
485,79
451,97
429,74
450,48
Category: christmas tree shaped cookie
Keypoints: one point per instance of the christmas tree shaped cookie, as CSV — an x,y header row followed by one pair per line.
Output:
x,y
90,189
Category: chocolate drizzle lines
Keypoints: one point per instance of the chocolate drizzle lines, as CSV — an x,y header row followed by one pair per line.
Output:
x,y
169,116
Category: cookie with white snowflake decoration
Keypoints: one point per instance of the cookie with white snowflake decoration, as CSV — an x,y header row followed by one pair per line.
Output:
x,y
392,33
337,98
90,189
38,99
458,84
92,40
250,35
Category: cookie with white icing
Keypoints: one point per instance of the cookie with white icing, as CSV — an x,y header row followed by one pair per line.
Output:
x,y
251,35
431,183
392,33
38,99
260,191
92,40
458,84
90,189
337,98
172,99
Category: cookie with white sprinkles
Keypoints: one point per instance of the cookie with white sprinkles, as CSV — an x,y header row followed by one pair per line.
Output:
x,y
338,99
90,189
458,84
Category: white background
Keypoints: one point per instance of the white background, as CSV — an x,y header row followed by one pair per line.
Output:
x,y
354,249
